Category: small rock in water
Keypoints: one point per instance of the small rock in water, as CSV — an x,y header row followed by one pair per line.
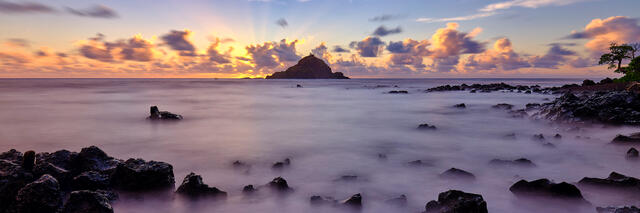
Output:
x,y
454,201
623,139
521,162
248,189
399,201
29,160
538,137
298,86
461,105
87,201
632,153
546,188
193,187
239,164
317,200
354,202
615,180
418,163
426,126
398,92
557,136
504,106
347,178
532,106
282,164
624,209
458,174
279,184
156,114
382,156
511,136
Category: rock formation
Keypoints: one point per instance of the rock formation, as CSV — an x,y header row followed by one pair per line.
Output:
x,y
308,67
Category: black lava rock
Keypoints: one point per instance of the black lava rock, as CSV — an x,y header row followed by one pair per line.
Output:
x,y
521,162
42,195
546,188
87,201
193,187
457,174
279,184
426,126
632,153
454,201
90,180
140,175
354,202
615,180
156,114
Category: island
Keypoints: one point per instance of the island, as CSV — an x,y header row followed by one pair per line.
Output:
x,y
309,67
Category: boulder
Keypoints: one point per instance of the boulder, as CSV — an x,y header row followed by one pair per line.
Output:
x,y
11,155
87,201
426,126
193,187
548,189
62,159
12,178
94,159
460,105
454,201
90,180
521,162
615,181
29,160
308,67
140,175
63,176
632,153
279,184
623,209
457,174
156,114
354,202
248,189
614,107
41,195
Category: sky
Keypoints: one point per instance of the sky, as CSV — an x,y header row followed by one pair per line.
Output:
x,y
361,38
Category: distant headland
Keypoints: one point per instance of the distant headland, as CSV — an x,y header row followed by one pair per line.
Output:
x,y
308,67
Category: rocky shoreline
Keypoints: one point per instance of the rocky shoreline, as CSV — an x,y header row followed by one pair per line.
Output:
x,y
90,181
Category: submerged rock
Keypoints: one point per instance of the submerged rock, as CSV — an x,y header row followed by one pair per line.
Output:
x,y
426,126
454,201
521,162
460,105
193,187
623,139
546,188
87,201
318,200
503,106
455,173
346,178
281,164
624,209
248,189
615,180
400,201
42,195
308,67
156,114
398,92
632,153
138,174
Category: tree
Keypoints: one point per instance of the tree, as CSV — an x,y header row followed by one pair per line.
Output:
x,y
635,47
634,65
617,54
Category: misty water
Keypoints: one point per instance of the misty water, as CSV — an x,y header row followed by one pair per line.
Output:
x,y
328,128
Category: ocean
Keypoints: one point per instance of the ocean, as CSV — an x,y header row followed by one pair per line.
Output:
x,y
328,128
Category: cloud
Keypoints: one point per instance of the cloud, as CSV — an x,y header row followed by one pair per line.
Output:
x,y
369,47
133,49
282,23
500,58
179,41
408,52
272,54
322,52
601,32
383,18
339,49
97,11
17,42
215,56
555,56
459,18
449,41
24,7
383,31
528,4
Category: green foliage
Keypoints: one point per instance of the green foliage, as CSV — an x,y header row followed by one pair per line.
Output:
x,y
617,54
629,77
634,65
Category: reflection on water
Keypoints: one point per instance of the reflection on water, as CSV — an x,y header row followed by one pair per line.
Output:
x,y
328,129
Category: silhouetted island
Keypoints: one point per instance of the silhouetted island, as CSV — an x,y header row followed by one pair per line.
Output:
x,y
308,67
